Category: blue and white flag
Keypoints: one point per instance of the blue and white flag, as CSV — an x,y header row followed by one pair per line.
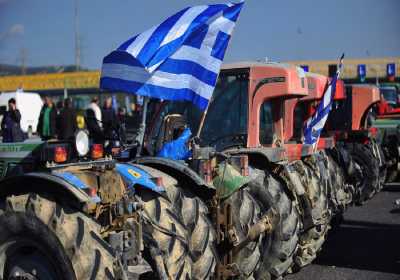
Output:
x,y
316,123
177,60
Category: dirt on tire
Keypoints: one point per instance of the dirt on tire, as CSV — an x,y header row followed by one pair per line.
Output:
x,y
367,167
279,247
246,212
185,235
318,211
72,239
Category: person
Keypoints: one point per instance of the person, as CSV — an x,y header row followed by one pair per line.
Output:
x,y
67,121
110,123
47,120
121,116
94,121
10,124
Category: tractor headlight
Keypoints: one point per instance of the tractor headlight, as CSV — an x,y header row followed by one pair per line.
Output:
x,y
82,143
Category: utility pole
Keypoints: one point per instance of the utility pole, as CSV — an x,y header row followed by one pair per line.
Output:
x,y
23,57
77,38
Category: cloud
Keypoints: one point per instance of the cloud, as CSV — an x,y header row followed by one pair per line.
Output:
x,y
16,29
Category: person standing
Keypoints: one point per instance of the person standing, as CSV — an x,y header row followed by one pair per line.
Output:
x,y
47,120
110,123
10,124
94,121
67,121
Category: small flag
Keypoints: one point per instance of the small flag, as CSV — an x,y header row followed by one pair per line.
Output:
x,y
362,72
391,69
177,60
316,123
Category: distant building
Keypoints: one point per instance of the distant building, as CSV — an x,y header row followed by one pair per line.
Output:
x,y
374,67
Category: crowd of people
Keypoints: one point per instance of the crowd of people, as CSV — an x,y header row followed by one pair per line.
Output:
x,y
60,121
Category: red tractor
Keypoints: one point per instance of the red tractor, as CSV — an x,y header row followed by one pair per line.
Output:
x,y
334,159
246,125
350,122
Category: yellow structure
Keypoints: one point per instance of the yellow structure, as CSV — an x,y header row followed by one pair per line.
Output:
x,y
58,81
376,67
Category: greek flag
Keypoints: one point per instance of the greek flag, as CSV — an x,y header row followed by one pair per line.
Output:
x,y
177,60
316,123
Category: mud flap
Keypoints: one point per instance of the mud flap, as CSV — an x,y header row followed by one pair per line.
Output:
x,y
228,180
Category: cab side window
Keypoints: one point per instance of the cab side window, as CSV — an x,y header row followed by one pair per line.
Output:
x,y
266,124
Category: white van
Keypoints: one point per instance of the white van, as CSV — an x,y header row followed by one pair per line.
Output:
x,y
28,103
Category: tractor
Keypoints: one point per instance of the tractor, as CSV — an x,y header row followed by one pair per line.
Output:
x,y
385,119
69,211
350,122
330,193
247,203
246,120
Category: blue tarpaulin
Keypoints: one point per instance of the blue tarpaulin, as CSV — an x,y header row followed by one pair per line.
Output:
x,y
177,149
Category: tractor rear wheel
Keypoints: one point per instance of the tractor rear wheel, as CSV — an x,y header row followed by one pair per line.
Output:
x,y
41,239
339,191
367,168
185,235
312,239
279,246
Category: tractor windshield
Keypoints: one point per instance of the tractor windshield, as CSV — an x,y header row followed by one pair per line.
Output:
x,y
226,120
390,95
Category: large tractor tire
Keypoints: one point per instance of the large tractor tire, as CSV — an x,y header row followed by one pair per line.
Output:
x,y
185,235
312,239
41,239
367,168
339,191
246,211
279,246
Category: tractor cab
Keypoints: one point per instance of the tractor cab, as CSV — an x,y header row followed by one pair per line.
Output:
x,y
246,111
355,112
304,108
389,93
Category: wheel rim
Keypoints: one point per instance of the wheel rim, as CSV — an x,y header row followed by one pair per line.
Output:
x,y
27,260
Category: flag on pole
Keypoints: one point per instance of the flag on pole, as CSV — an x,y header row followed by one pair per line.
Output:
x,y
177,60
316,123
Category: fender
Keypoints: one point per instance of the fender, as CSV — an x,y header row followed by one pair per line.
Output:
x,y
182,173
134,175
266,154
45,183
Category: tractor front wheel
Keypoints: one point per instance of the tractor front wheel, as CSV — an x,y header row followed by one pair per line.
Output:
x,y
41,239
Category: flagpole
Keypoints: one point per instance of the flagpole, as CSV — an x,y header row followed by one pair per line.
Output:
x,y
202,120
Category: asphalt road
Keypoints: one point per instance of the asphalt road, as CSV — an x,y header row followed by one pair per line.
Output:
x,y
366,246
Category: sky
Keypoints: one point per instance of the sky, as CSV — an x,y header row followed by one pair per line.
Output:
x,y
42,31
